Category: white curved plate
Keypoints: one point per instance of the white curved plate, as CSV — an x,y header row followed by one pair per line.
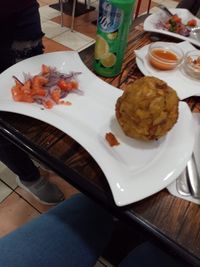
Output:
x,y
134,169
184,85
151,21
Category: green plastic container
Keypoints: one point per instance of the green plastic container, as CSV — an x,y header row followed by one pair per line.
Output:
x,y
112,32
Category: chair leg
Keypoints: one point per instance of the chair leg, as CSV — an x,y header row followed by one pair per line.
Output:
x,y
137,8
149,5
61,12
73,15
88,4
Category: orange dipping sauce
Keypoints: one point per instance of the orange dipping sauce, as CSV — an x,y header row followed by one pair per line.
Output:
x,y
163,59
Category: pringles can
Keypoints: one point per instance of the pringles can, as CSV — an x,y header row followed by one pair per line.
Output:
x,y
113,24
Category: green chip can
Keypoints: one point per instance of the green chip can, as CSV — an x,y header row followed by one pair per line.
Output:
x,y
113,25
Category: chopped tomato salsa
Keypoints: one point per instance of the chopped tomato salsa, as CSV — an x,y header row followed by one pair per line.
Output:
x,y
111,139
176,25
48,88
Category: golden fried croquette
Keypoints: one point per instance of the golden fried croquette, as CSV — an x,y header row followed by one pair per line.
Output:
x,y
147,109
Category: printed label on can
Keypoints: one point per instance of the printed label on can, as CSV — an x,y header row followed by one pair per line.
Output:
x,y
110,17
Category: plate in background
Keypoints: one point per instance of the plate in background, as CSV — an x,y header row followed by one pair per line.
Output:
x,y
184,85
150,23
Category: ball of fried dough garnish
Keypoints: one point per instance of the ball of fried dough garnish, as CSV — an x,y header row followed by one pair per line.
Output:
x,y
147,109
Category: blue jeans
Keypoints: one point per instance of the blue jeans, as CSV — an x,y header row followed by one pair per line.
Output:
x,y
73,234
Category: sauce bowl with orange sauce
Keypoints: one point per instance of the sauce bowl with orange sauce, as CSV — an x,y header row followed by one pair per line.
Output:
x,y
164,55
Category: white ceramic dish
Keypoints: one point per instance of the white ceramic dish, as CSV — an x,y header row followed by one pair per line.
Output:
x,y
184,85
134,170
150,23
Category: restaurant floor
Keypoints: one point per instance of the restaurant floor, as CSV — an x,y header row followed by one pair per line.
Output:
x,y
18,207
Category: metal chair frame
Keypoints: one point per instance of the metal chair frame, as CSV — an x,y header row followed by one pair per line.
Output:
x,y
87,2
138,7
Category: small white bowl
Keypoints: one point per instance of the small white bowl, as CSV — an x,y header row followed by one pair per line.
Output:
x,y
191,64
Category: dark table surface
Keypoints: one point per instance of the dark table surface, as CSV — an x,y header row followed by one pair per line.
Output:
x,y
173,221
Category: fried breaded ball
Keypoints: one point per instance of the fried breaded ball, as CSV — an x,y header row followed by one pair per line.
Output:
x,y
147,109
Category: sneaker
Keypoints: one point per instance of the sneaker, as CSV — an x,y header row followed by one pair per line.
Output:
x,y
45,192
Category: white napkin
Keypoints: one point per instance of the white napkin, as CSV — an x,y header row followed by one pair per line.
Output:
x,y
172,187
177,79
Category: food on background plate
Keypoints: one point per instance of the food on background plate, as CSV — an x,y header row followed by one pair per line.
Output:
x,y
174,24
192,64
48,88
147,109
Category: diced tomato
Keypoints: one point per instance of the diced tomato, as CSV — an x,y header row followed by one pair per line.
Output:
x,y
192,23
67,86
23,98
112,140
65,103
176,18
35,88
37,85
45,69
64,85
26,88
55,95
74,84
39,80
18,95
38,91
22,93
48,104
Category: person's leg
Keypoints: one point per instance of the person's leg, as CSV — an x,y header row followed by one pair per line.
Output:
x,y
7,33
30,178
17,161
28,34
149,255
73,234
14,158
6,56
22,38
